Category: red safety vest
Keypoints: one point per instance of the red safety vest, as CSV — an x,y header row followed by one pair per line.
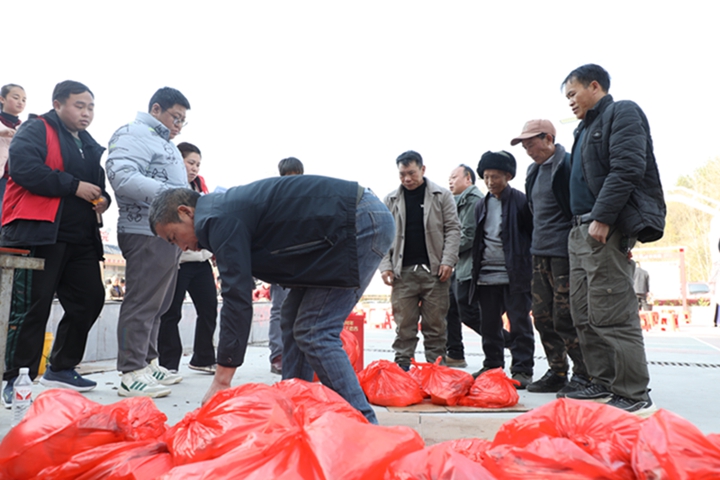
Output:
x,y
21,204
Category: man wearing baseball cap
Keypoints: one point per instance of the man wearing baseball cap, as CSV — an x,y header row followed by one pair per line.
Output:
x,y
502,268
548,195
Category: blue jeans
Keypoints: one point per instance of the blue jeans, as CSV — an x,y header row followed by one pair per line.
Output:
x,y
312,318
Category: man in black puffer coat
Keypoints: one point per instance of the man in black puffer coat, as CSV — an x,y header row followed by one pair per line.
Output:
x,y
616,199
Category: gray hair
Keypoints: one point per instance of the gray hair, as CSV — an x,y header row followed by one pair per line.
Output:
x,y
164,209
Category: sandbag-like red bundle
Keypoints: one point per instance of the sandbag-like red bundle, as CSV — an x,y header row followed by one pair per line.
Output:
x,y
552,458
386,384
472,448
670,447
605,432
444,385
62,423
226,419
331,447
492,389
313,400
258,456
438,462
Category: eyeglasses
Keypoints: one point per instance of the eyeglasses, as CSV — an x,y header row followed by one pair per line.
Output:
x,y
178,120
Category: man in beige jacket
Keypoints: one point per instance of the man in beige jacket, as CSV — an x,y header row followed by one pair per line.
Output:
x,y
421,259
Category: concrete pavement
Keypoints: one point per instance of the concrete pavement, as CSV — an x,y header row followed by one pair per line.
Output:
x,y
684,368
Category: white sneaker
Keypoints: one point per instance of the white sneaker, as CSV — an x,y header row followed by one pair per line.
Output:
x,y
141,383
162,374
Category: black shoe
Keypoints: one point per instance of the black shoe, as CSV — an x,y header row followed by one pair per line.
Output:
x,y
7,393
524,378
641,408
577,383
551,382
482,370
405,368
455,362
595,392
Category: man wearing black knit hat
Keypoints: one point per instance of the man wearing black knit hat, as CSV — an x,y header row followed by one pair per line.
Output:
x,y
502,267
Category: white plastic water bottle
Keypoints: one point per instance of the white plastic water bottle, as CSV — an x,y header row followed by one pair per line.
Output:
x,y
22,395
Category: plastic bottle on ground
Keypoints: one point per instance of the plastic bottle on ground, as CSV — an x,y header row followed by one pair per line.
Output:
x,y
22,395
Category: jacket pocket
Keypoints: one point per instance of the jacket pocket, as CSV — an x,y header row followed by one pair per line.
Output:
x,y
304,248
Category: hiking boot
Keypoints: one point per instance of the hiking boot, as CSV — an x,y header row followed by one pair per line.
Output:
x,y
577,382
455,362
141,383
198,368
162,374
7,393
594,391
641,408
66,379
551,382
524,378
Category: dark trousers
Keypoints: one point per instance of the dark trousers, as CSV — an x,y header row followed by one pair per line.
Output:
x,y
494,301
195,278
460,312
73,272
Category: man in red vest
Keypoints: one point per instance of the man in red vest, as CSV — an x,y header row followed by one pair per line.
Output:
x,y
51,207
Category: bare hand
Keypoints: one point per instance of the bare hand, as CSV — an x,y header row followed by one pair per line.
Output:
x,y
388,277
88,191
101,205
599,231
444,272
221,381
9,133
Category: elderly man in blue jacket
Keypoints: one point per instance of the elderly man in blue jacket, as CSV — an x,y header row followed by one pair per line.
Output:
x,y
320,236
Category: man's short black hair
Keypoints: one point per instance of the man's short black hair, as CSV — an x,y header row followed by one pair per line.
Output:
x,y
408,157
164,208
188,148
586,74
290,166
166,97
468,171
63,90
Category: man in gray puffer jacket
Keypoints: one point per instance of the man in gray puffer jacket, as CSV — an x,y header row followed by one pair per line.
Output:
x,y
142,162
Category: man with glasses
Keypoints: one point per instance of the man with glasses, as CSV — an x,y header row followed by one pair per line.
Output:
x,y
142,162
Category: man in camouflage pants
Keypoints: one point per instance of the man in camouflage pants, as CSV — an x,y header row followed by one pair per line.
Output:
x,y
548,194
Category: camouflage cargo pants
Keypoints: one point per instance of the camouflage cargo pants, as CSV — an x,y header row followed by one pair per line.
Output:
x,y
551,311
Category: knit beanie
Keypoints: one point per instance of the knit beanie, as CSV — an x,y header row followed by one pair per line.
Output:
x,y
497,161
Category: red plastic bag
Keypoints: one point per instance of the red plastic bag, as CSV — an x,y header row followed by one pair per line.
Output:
x,y
438,462
386,384
670,447
492,389
548,458
313,400
62,423
223,422
349,450
607,433
444,385
472,448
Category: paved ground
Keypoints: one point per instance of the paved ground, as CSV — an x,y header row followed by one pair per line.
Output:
x,y
684,368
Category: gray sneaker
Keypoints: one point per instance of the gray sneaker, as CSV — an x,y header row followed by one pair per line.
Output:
x,y
524,378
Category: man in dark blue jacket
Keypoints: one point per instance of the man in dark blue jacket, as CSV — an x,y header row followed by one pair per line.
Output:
x,y
51,205
502,267
616,198
320,236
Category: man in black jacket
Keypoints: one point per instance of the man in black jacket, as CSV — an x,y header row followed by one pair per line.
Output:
x,y
502,268
320,236
51,205
547,190
616,198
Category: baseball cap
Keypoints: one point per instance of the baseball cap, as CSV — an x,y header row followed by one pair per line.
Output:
x,y
534,128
